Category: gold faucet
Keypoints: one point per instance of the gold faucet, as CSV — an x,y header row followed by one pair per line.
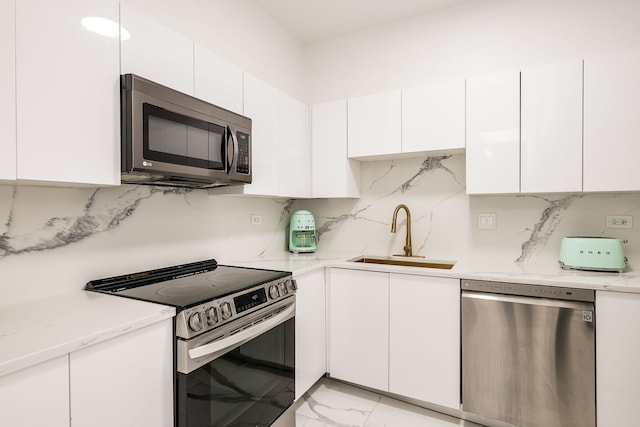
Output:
x,y
408,251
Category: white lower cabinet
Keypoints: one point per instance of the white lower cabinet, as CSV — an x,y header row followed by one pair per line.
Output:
x,y
359,327
396,332
617,355
311,350
36,396
424,338
126,381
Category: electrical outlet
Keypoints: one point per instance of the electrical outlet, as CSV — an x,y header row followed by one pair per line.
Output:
x,y
619,221
256,219
487,221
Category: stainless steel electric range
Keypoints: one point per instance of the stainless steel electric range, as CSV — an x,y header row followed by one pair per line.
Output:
x,y
234,348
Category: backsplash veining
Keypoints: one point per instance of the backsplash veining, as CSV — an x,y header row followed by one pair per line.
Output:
x,y
445,219
53,240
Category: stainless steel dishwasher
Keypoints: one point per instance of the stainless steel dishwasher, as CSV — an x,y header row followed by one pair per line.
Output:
x,y
528,354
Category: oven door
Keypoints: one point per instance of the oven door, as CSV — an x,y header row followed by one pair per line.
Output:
x,y
240,375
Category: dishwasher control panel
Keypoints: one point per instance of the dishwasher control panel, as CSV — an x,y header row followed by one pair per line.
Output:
x,y
523,289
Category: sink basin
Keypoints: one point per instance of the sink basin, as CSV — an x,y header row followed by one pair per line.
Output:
x,y
405,262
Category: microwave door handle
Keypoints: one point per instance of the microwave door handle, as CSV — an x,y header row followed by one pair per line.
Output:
x,y
218,348
232,149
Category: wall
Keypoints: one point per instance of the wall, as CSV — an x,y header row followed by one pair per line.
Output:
x,y
472,38
54,240
445,219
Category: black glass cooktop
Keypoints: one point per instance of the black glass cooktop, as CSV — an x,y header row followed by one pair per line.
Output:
x,y
185,285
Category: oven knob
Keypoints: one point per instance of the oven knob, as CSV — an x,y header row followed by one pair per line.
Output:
x,y
292,286
282,288
211,315
225,308
273,292
195,322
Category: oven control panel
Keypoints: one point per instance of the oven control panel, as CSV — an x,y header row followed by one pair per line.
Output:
x,y
212,314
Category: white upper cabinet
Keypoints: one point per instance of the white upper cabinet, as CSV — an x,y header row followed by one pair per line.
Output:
x,y
217,81
493,133
433,117
156,52
67,92
37,396
8,91
612,122
261,106
294,148
333,174
551,128
374,126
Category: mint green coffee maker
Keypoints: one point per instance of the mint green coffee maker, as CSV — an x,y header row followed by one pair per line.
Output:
x,y
302,232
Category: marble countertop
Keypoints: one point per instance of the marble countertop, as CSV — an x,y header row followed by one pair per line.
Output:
x,y
549,274
41,330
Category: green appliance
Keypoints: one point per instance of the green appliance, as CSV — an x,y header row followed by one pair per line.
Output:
x,y
302,232
592,253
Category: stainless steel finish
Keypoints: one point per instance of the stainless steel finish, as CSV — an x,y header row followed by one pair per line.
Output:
x,y
523,289
527,360
603,269
138,170
222,310
250,327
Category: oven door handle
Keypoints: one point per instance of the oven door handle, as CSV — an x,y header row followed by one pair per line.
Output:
x,y
218,348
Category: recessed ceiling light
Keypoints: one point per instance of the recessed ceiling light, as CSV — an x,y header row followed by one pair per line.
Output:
x,y
105,27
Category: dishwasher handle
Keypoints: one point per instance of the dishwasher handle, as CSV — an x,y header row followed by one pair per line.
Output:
x,y
516,299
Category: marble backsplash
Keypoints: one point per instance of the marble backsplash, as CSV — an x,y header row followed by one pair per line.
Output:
x,y
53,240
445,220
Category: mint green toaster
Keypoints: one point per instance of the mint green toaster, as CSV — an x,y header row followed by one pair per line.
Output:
x,y
592,253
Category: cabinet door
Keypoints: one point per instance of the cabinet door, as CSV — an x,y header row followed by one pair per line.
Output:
x,y
424,338
261,105
433,117
7,90
374,127
333,174
551,129
359,327
68,99
155,52
611,125
217,81
493,133
617,355
37,396
125,381
294,148
311,351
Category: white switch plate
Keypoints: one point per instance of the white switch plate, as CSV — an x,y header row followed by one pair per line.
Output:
x,y
256,219
487,221
619,221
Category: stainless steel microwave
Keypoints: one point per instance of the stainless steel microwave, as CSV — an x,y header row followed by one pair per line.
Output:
x,y
171,138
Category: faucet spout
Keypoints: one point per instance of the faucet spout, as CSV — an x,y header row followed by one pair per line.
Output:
x,y
408,251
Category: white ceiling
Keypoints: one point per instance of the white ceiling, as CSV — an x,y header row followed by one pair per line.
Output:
x,y
311,21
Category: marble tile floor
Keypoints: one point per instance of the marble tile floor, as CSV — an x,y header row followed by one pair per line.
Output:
x,y
331,403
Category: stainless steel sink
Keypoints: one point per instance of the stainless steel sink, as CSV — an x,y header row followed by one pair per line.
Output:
x,y
409,262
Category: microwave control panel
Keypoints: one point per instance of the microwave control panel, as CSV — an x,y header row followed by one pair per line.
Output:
x,y
243,153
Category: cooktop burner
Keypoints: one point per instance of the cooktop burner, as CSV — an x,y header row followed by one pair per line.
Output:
x,y
186,285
